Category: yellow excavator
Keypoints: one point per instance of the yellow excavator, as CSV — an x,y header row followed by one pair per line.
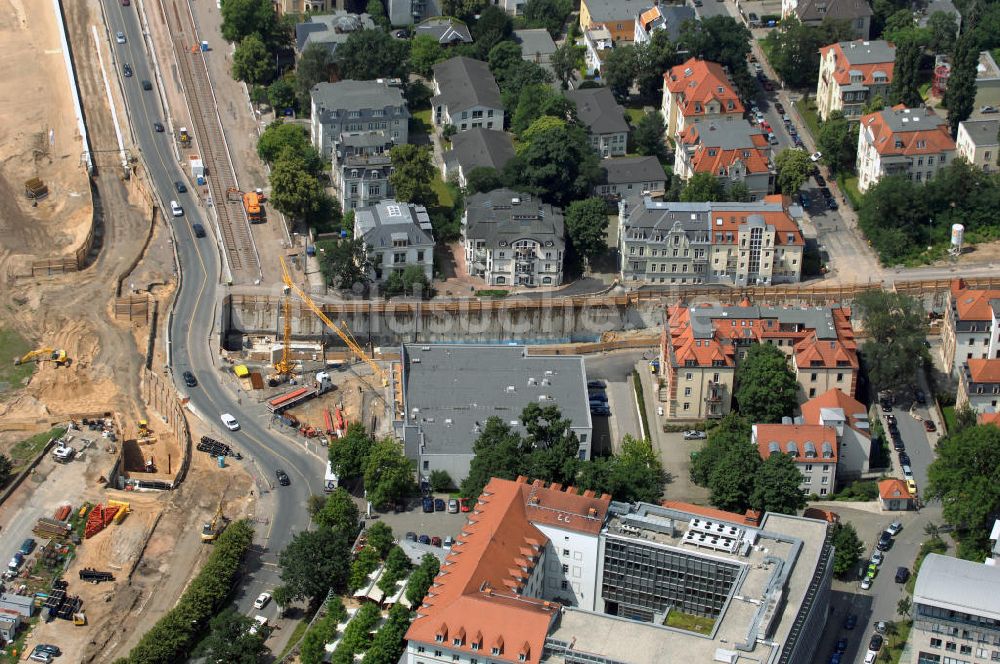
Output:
x,y
56,355
211,530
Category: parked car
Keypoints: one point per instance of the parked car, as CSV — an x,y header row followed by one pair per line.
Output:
x,y
902,575
884,541
866,582
816,156
841,646
49,648
911,486
600,397
988,109
27,546
15,561
231,423
259,623
436,541
40,656
596,384
877,557
831,203
424,539
904,458
920,397
875,643
894,528
262,600
428,504
439,505
870,657
282,477
449,541
189,379
851,621
836,658
601,411
453,506
897,444
693,434
411,536
929,426
779,107
821,181
463,505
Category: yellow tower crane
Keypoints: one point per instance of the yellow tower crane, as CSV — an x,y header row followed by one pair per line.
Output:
x,y
283,367
342,332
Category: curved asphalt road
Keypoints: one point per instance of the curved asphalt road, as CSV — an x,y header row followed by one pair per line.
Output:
x,y
193,330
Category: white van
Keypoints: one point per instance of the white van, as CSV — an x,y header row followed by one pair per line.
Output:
x,y
177,210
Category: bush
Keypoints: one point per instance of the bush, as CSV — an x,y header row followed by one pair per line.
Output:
x,y
441,481
397,564
173,636
323,631
357,634
366,563
861,491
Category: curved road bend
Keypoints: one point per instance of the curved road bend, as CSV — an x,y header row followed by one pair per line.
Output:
x,y
192,327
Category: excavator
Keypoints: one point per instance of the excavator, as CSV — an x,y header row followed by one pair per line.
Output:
x,y
42,354
211,531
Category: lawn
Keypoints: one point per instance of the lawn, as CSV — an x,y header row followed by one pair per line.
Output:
x,y
767,47
849,185
13,345
689,622
420,122
27,449
896,642
445,197
807,109
950,422
634,114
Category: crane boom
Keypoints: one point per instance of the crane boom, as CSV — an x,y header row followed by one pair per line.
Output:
x,y
344,335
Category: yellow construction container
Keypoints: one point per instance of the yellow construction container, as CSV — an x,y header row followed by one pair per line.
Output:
x,y
241,371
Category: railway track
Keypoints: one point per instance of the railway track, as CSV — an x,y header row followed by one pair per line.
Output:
x,y
234,226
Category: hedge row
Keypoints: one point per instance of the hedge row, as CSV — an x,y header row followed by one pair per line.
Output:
x,y
173,636
323,631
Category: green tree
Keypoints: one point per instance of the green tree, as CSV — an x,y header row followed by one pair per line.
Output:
x,y
794,169
504,60
280,135
497,454
903,607
847,548
339,513
718,39
251,61
587,225
412,174
482,179
315,66
653,59
965,477
731,431
380,538
242,18
648,136
462,8
554,161
733,478
229,639
776,486
282,597
425,52
297,192
388,474
636,472
566,61
943,29
737,191
965,417
896,325
619,70
960,96
344,264
702,187
521,77
538,100
550,445
281,94
421,579
369,54
906,74
314,562
349,455
441,481
323,631
766,389
493,27
838,141
375,9
6,468
873,105
548,14
366,562
894,218
410,281
390,640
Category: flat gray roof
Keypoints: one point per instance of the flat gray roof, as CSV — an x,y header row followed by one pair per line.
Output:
x,y
330,29
357,95
983,132
534,42
450,390
615,10
813,318
732,135
911,119
860,52
477,147
958,585
379,225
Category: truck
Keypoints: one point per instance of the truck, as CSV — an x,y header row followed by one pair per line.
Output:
x,y
197,169
330,480
184,137
251,203
283,402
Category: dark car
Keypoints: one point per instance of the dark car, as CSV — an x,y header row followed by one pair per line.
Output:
x,y
836,658
158,127
904,459
841,646
884,541
180,187
898,445
920,397
199,230
778,107
891,419
282,477
596,384
902,575
411,536
27,546
146,85
435,541
929,426
127,70
49,648
876,642
820,180
599,397
424,539
428,504
425,488
439,505
189,379
886,407
850,621
600,411
768,85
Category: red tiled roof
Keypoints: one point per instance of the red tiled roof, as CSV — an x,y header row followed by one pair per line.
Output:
x,y
718,162
799,434
699,82
929,136
712,513
835,398
478,588
893,490
844,67
972,304
984,371
784,226
989,418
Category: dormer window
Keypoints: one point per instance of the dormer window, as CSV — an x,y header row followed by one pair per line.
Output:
x,y
475,645
522,657
439,638
496,651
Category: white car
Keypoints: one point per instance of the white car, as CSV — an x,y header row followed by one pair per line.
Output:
x,y
894,528
870,657
816,156
866,583
878,557
262,600
693,434
259,623
230,422
120,37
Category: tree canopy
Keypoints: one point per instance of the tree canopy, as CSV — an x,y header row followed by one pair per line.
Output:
x,y
425,52
280,135
567,59
349,454
370,54
776,488
344,264
252,63
412,175
619,70
648,135
794,169
538,100
702,188
315,66
493,27
838,141
905,88
896,325
766,389
554,161
229,639
388,474
965,477
847,548
548,14
242,18
314,562
652,60
482,179
795,48
340,513
960,96
587,225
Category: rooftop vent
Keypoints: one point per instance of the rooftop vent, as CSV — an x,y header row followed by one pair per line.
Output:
x,y
510,389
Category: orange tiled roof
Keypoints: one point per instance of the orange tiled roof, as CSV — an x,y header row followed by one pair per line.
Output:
x,y
984,371
711,512
800,434
697,82
835,398
972,304
893,490
844,67
929,136
476,597
784,226
649,16
989,418
718,162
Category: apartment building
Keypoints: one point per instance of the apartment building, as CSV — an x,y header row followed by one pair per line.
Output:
x,y
512,239
913,142
979,385
851,74
734,152
978,143
700,243
698,91
476,148
361,167
508,591
597,43
857,14
970,329
848,417
466,95
662,17
450,390
604,120
701,346
956,612
628,176
618,16
396,236
355,107
812,447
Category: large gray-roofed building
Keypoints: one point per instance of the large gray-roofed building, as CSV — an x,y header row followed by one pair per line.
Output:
x,y
477,148
330,30
396,235
536,45
731,135
958,585
466,95
820,319
357,106
445,30
604,119
449,391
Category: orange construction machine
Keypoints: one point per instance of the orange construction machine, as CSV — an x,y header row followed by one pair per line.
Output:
x,y
251,203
